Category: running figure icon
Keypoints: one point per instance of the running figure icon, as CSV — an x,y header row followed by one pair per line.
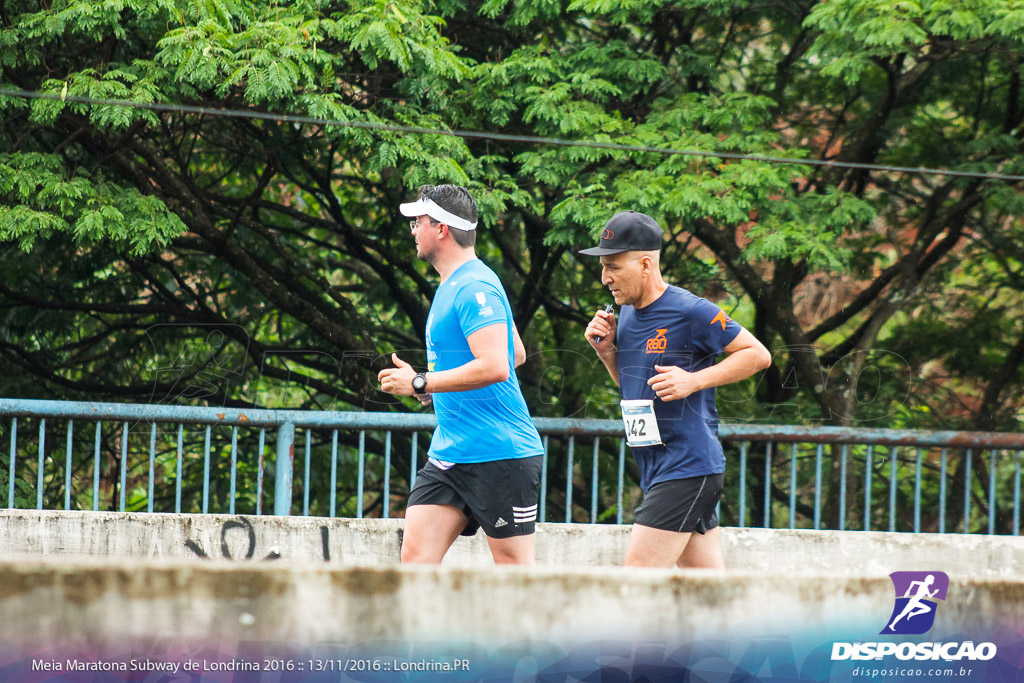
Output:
x,y
917,595
916,605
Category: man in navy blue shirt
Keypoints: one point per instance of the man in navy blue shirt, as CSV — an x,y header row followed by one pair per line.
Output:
x,y
663,353
484,460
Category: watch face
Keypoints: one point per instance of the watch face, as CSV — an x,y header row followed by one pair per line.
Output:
x,y
419,383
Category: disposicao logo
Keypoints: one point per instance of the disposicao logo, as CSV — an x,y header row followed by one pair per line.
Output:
x,y
917,594
917,600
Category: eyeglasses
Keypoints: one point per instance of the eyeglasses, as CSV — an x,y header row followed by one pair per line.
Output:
x,y
414,223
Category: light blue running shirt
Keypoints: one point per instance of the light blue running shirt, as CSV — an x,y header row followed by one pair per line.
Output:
x,y
485,424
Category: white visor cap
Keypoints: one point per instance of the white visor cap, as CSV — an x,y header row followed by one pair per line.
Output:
x,y
426,207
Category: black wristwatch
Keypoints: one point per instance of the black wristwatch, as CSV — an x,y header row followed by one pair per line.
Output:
x,y
419,383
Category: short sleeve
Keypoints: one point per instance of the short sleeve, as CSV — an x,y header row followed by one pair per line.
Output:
x,y
711,329
479,304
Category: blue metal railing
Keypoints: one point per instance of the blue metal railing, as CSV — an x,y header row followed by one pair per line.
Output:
x,y
144,456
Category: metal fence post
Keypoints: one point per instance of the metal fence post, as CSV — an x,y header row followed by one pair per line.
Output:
x,y
284,462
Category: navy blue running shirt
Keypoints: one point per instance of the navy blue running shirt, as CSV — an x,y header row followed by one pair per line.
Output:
x,y
486,424
681,329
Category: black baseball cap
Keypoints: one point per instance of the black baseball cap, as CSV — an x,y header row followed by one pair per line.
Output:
x,y
628,231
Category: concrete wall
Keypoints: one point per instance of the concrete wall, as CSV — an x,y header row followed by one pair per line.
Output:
x,y
87,603
100,583
377,542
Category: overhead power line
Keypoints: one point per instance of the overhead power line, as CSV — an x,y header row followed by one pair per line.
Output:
x,y
504,137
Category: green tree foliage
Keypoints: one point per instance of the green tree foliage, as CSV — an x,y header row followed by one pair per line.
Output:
x,y
182,256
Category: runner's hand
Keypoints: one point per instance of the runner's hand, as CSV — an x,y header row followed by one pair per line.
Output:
x,y
603,326
673,383
397,380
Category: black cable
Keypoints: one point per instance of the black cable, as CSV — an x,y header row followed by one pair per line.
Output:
x,y
310,120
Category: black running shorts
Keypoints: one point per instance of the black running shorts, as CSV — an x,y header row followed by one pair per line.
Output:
x,y
682,505
500,496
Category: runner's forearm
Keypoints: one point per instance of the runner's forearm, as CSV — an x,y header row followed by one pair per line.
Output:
x,y
476,374
735,367
611,364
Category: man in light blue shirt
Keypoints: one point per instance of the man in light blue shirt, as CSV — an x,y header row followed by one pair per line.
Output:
x,y
484,459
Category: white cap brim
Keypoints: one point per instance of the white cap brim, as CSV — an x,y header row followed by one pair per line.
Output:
x,y
426,207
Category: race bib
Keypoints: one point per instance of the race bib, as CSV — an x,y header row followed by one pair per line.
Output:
x,y
641,422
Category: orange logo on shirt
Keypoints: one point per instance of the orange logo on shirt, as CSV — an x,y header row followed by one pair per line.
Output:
x,y
658,343
721,318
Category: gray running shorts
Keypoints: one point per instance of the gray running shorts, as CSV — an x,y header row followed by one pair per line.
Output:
x,y
682,505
